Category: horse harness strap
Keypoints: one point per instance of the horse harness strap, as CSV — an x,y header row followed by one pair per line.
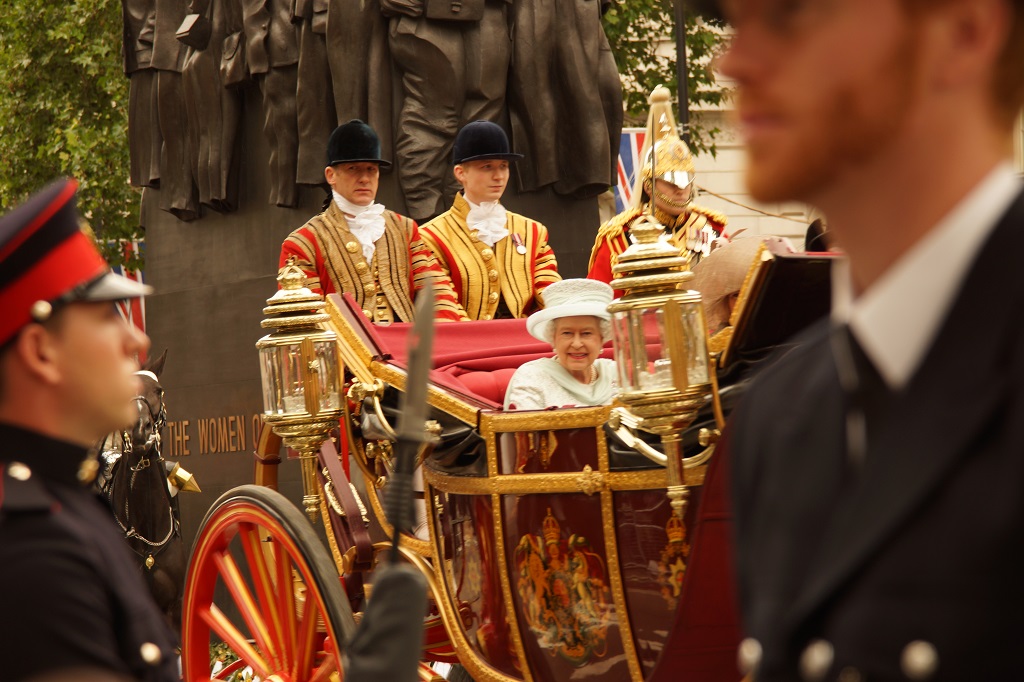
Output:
x,y
158,419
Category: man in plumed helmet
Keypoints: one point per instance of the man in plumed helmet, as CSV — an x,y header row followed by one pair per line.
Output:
x,y
499,262
357,246
72,603
691,227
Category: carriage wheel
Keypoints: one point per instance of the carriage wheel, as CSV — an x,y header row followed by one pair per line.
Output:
x,y
260,581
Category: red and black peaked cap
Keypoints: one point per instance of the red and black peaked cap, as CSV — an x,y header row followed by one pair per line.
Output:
x,y
46,261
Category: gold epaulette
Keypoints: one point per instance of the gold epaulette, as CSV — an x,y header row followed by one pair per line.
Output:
x,y
719,218
614,225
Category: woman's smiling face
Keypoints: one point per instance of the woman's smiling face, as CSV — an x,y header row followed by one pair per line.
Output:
x,y
577,343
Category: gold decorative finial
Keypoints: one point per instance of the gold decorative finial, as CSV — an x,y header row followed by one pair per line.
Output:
x,y
291,277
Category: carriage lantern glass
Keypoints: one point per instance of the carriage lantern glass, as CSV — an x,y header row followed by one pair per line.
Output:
x,y
658,326
298,362
300,373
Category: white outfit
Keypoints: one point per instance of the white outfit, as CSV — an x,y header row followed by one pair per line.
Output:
x,y
545,383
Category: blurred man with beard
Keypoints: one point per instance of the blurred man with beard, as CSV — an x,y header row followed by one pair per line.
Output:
x,y
876,468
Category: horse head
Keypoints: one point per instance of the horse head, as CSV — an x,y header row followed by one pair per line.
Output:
x,y
145,433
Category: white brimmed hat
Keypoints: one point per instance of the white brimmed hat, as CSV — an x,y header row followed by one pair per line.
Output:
x,y
569,298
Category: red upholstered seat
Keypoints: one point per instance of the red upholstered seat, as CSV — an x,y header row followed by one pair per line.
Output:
x,y
489,385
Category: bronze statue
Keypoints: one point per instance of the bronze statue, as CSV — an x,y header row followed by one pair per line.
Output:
x,y
139,19
453,70
214,111
416,70
565,98
272,53
314,101
178,194
357,34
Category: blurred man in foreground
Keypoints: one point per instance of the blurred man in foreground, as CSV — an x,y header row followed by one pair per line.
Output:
x,y
877,467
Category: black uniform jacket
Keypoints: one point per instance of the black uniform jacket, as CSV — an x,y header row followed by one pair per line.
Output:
x,y
71,595
910,566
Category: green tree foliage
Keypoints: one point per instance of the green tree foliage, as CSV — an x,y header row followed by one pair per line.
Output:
x,y
636,29
63,110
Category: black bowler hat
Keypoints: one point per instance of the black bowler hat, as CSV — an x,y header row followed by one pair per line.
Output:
x,y
482,140
355,142
46,261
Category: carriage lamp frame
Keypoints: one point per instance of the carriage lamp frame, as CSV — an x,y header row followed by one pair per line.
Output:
x,y
661,394
300,374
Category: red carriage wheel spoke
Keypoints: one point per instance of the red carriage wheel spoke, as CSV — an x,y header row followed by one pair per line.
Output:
x,y
247,605
307,641
266,592
323,673
220,625
286,604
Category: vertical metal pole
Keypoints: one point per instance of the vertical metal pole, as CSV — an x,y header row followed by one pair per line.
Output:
x,y
681,69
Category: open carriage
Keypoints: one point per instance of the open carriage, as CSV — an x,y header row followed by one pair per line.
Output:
x,y
552,548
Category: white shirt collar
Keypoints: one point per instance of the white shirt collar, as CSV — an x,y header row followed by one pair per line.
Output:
x,y
366,223
488,220
896,320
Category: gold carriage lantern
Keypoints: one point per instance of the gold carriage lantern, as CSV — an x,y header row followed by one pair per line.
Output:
x,y
660,342
659,331
300,374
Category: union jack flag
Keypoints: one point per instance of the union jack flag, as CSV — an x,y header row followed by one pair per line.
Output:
x,y
630,144
133,311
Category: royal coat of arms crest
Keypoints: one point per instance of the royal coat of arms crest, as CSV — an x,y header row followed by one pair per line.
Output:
x,y
565,594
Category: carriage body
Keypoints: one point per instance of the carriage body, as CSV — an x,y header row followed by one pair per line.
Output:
x,y
554,551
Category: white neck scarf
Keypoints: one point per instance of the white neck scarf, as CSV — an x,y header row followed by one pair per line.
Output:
x,y
365,222
488,219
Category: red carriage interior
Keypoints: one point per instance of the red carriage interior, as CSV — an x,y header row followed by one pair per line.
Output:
x,y
473,359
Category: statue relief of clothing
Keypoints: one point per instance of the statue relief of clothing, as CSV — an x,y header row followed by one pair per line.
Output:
x,y
144,141
331,256
272,54
314,99
565,97
178,193
213,110
452,72
513,272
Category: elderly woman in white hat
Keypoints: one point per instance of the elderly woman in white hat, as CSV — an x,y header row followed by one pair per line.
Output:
x,y
575,321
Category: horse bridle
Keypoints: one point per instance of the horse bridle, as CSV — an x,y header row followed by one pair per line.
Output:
x,y
158,420
152,444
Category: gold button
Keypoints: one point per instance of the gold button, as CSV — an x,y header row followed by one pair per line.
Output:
x,y
367,313
816,660
493,296
919,660
19,471
487,254
487,316
492,275
748,656
352,247
41,311
370,288
150,653
361,267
